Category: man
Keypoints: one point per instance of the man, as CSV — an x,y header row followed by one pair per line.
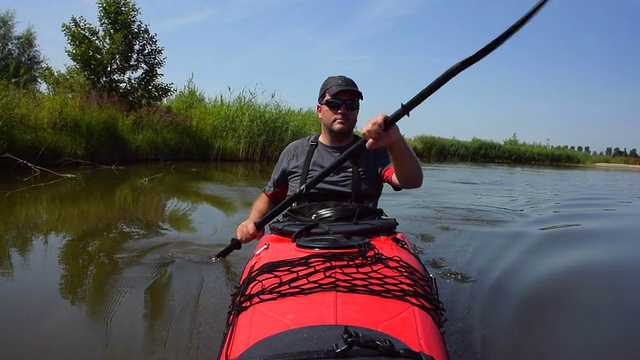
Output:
x,y
388,158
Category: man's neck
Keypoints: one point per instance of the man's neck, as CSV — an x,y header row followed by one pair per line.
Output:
x,y
336,139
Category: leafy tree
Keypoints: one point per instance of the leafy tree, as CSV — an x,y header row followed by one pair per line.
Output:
x,y
121,58
68,82
633,153
617,152
20,57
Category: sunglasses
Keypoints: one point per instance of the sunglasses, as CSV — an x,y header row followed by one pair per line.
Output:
x,y
336,104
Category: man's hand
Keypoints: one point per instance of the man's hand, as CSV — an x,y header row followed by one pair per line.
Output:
x,y
407,170
247,231
377,137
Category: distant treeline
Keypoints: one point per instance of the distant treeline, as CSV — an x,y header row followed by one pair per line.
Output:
x,y
437,149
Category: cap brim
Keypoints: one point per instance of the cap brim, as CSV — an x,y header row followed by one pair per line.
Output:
x,y
336,89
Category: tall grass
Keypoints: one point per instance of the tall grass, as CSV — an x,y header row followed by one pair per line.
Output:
x,y
49,128
46,129
436,149
246,125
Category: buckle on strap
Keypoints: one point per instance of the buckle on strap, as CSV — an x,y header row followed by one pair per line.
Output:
x,y
355,338
384,346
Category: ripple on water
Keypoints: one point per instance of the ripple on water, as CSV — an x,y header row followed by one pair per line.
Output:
x,y
564,298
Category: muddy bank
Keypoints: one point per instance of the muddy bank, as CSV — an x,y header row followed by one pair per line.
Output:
x,y
617,166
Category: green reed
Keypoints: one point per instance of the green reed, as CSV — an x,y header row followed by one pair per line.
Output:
x,y
52,128
437,149
247,125
55,128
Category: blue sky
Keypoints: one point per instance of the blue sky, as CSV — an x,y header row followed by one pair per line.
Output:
x,y
569,77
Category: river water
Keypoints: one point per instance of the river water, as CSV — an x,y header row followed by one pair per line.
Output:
x,y
114,263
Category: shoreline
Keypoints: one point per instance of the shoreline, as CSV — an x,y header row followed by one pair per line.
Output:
x,y
625,167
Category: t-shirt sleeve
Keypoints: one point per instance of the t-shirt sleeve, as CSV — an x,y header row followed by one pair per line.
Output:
x,y
278,186
385,168
387,174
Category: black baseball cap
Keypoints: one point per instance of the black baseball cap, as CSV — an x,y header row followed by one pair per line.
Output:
x,y
333,84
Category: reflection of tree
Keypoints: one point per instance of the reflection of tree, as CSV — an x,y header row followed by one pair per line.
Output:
x,y
17,237
155,300
119,239
12,241
89,261
178,215
6,266
99,212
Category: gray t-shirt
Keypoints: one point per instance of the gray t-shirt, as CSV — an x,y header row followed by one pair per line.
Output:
x,y
375,169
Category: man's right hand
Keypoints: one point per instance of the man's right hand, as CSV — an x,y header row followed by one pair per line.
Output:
x,y
246,231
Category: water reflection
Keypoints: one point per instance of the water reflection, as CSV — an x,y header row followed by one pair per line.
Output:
x,y
97,212
553,253
132,241
532,263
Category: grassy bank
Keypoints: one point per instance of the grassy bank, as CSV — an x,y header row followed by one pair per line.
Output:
x,y
50,129
436,149
510,151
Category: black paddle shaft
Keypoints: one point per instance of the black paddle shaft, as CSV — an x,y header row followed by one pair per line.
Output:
x,y
389,122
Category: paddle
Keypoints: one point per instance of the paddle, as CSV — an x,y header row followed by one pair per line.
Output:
x,y
389,121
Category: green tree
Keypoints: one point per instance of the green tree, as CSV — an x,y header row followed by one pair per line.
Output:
x,y
617,152
67,82
121,58
20,57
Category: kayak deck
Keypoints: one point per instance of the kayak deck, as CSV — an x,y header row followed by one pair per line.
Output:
x,y
305,288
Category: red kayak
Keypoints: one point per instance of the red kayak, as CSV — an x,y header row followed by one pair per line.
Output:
x,y
340,290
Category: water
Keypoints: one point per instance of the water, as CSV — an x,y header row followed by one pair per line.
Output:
x,y
532,263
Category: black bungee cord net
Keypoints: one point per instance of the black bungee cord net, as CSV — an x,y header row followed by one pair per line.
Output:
x,y
366,271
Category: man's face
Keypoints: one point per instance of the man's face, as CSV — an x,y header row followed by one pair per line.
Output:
x,y
336,116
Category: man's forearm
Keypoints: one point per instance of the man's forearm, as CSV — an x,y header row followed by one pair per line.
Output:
x,y
407,169
260,207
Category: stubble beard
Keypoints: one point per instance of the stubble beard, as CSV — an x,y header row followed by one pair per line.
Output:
x,y
342,132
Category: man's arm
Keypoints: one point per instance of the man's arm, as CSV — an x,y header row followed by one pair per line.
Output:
x,y
407,169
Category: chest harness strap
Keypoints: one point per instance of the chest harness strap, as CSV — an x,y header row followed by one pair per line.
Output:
x,y
355,168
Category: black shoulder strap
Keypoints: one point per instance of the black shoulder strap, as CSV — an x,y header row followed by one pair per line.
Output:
x,y
355,169
355,173
313,144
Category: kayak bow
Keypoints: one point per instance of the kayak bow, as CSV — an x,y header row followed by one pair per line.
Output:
x,y
339,290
